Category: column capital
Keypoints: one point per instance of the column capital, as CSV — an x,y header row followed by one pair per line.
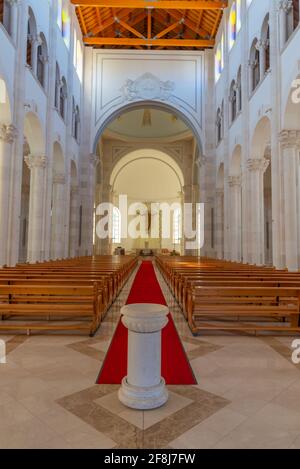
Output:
x,y
94,160
234,181
59,178
258,164
8,133
285,5
201,161
289,138
35,161
220,192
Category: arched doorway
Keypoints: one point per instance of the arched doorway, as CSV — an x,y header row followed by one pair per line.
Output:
x,y
167,138
33,181
260,185
58,203
149,177
7,136
74,213
290,168
235,197
220,219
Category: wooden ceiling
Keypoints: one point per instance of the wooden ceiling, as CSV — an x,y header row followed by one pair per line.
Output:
x,y
149,24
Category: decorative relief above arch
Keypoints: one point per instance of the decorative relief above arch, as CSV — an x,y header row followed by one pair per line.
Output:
x,y
147,86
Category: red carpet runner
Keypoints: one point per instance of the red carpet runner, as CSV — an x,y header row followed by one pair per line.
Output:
x,y
175,366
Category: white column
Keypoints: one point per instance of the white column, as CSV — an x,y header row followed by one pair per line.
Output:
x,y
290,145
284,8
256,168
37,165
220,223
14,19
74,221
7,135
143,387
58,216
234,183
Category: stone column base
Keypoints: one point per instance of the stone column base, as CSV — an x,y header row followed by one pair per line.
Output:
x,y
143,398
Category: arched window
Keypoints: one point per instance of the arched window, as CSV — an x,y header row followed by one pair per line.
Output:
x,y
75,120
239,90
292,17
254,66
219,59
63,93
256,70
265,41
31,34
57,86
41,61
233,100
232,33
66,24
116,226
177,226
77,124
267,50
6,15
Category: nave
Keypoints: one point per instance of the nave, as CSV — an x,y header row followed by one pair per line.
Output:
x,y
246,396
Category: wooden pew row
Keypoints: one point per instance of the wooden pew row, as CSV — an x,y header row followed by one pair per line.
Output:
x,y
190,284
61,291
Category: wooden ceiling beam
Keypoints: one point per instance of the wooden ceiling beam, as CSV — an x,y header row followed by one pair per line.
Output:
x,y
169,29
176,15
109,22
132,42
129,28
157,4
149,25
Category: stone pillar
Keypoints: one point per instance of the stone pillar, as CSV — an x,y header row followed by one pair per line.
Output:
x,y
256,169
143,387
74,222
284,8
234,183
187,216
37,165
14,19
7,135
220,223
58,216
290,145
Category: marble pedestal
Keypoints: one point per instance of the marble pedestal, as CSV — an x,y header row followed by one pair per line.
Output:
x,y
143,387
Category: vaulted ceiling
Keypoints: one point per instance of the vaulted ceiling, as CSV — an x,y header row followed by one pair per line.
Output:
x,y
150,24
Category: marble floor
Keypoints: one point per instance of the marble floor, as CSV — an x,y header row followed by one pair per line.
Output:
x,y
248,393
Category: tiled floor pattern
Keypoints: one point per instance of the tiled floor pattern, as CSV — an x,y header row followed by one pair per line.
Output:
x,y
248,394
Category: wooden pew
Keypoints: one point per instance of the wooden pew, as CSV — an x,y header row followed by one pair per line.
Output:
x,y
62,290
189,279
253,305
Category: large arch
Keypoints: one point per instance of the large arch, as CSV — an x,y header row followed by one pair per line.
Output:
x,y
261,138
144,155
291,116
34,135
146,105
146,177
